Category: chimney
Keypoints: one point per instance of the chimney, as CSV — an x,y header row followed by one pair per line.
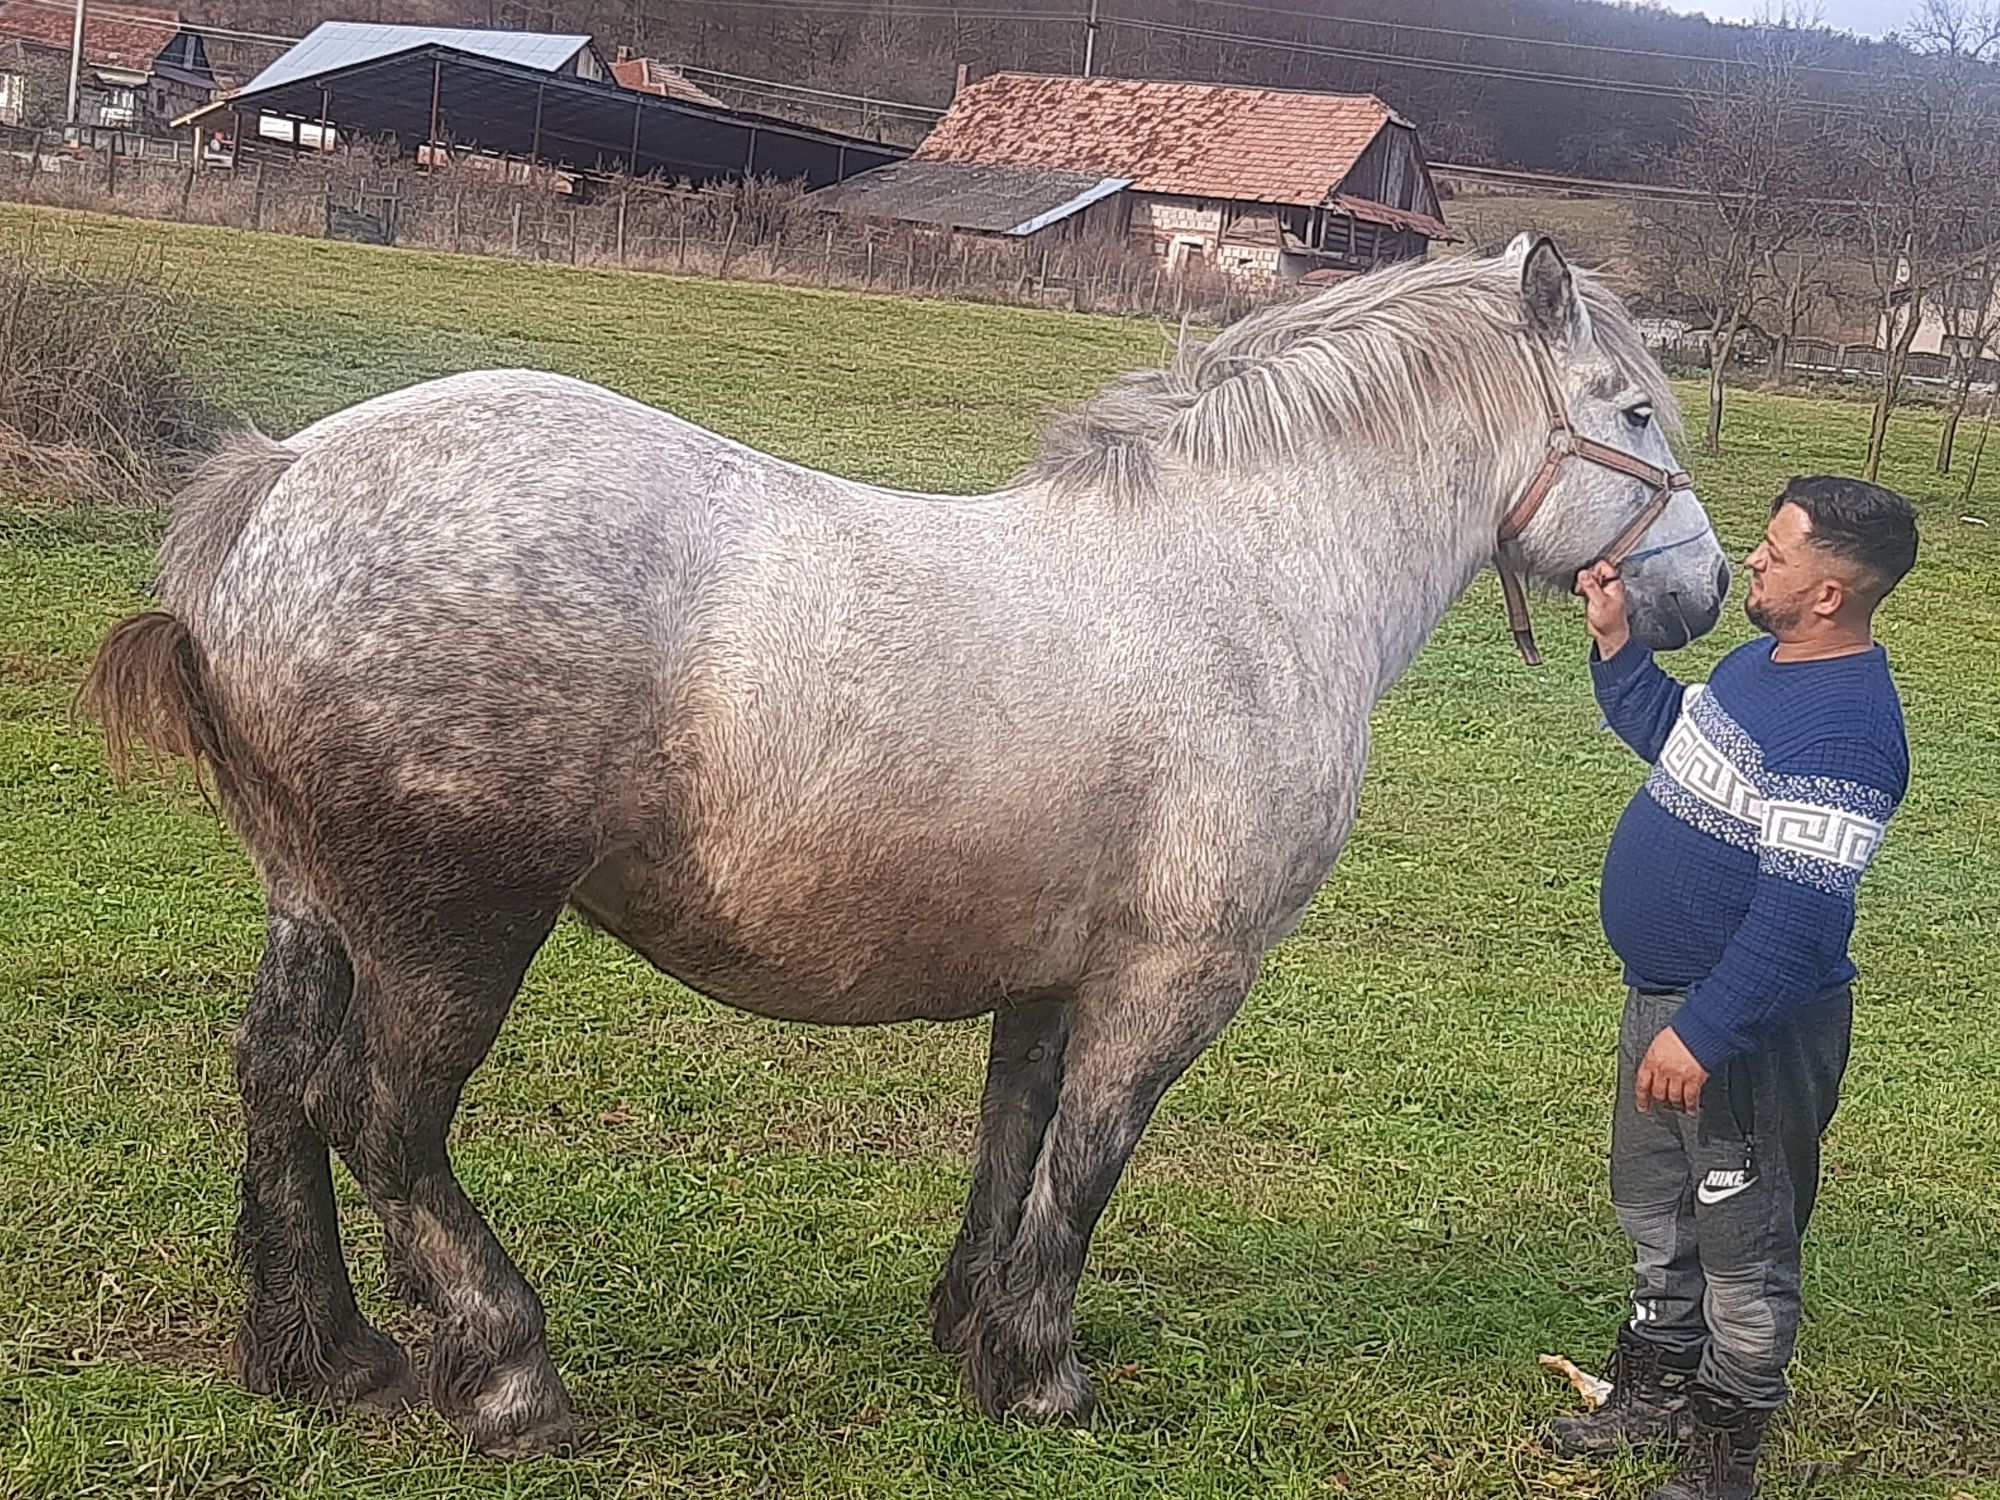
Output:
x,y
624,54
964,77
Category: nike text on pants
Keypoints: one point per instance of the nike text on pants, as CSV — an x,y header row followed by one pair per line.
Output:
x,y
1715,1203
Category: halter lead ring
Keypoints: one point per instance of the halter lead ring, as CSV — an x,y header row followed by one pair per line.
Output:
x,y
1565,443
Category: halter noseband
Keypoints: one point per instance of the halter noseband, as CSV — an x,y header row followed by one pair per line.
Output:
x,y
1565,443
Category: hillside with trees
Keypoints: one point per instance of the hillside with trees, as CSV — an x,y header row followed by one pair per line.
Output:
x,y
1572,86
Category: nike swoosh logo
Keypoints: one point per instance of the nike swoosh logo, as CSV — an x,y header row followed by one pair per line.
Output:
x,y
1708,1197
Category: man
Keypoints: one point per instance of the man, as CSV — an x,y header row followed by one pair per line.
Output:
x,y
1729,894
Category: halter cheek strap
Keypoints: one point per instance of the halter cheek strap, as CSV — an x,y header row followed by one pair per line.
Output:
x,y
1565,443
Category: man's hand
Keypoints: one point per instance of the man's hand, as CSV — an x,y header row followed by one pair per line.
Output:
x,y
1668,1073
1604,607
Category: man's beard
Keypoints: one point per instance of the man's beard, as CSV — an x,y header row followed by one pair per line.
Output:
x,y
1767,619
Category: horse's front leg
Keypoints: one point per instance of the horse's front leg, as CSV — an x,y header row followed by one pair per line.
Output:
x,y
1023,1071
1132,1033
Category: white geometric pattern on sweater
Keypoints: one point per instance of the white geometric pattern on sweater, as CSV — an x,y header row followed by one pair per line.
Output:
x,y
1698,766
1818,831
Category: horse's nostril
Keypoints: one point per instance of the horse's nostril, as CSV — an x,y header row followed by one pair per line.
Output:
x,y
1721,579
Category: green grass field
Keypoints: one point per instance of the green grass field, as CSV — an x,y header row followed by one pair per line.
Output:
x,y
1339,1251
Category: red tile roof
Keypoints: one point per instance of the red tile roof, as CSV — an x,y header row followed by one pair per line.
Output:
x,y
123,36
648,75
1197,139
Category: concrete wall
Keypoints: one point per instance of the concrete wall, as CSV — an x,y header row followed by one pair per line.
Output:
x,y
1237,238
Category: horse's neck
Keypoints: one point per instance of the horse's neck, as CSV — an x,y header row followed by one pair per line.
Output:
x,y
1391,544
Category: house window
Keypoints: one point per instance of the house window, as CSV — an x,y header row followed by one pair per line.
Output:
x,y
1958,346
13,97
120,108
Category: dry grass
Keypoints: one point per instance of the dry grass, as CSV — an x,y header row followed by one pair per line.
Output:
x,y
93,405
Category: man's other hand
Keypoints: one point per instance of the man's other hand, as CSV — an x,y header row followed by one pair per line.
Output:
x,y
1604,607
1668,1073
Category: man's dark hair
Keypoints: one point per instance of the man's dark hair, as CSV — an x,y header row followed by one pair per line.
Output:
x,y
1859,523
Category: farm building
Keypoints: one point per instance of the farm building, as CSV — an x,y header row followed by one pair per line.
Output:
x,y
141,68
1257,182
651,76
518,97
1959,319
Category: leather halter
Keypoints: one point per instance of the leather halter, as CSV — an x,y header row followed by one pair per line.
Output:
x,y
1565,443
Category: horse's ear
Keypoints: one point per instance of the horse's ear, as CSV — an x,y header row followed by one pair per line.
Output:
x,y
1516,253
1548,292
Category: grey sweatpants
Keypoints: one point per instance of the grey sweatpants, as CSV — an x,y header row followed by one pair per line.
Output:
x,y
1715,1203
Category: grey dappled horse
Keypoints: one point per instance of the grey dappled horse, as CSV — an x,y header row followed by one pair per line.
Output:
x,y
1073,754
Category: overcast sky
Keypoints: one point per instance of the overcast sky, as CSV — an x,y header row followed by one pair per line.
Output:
x,y
1867,17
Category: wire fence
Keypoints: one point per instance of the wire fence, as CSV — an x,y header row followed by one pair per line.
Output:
x,y
750,230
1816,358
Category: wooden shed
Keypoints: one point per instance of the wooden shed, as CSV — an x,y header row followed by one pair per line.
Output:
x,y
1258,182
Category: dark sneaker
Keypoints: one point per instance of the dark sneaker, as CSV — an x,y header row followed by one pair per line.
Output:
x,y
1723,1443
1647,1406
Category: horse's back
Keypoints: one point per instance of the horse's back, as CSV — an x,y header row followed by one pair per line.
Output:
x,y
461,601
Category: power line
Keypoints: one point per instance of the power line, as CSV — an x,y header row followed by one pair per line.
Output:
x,y
921,9
1678,93
136,18
771,88
1515,41
916,11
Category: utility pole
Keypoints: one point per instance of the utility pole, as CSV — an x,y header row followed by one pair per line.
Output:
x,y
75,62
1089,40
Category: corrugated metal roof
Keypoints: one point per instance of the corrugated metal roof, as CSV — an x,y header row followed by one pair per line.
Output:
x,y
1196,139
341,44
125,36
996,199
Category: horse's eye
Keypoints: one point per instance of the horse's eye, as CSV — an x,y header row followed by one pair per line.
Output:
x,y
1640,415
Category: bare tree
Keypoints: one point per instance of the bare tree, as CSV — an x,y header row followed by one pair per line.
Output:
x,y
1966,306
1925,181
1954,28
1754,152
1800,280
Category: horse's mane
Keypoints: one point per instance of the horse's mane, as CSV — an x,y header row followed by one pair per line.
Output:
x,y
1371,359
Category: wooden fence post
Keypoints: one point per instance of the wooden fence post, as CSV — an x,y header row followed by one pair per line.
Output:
x,y
728,245
514,246
621,224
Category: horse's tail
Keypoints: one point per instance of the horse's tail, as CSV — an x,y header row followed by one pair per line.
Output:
x,y
148,685
149,682
210,514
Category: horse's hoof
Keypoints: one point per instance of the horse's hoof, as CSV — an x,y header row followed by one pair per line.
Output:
x,y
1031,1390
1065,1399
555,1438
519,1411
367,1370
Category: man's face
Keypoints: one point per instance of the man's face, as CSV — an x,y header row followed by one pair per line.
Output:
x,y
1788,575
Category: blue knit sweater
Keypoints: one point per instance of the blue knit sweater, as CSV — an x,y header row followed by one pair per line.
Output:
x,y
1733,871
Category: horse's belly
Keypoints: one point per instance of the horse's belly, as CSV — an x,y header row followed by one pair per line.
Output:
x,y
849,946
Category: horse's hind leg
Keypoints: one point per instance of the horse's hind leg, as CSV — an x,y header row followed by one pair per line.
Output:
x,y
1023,1068
301,1333
1132,1033
426,1009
